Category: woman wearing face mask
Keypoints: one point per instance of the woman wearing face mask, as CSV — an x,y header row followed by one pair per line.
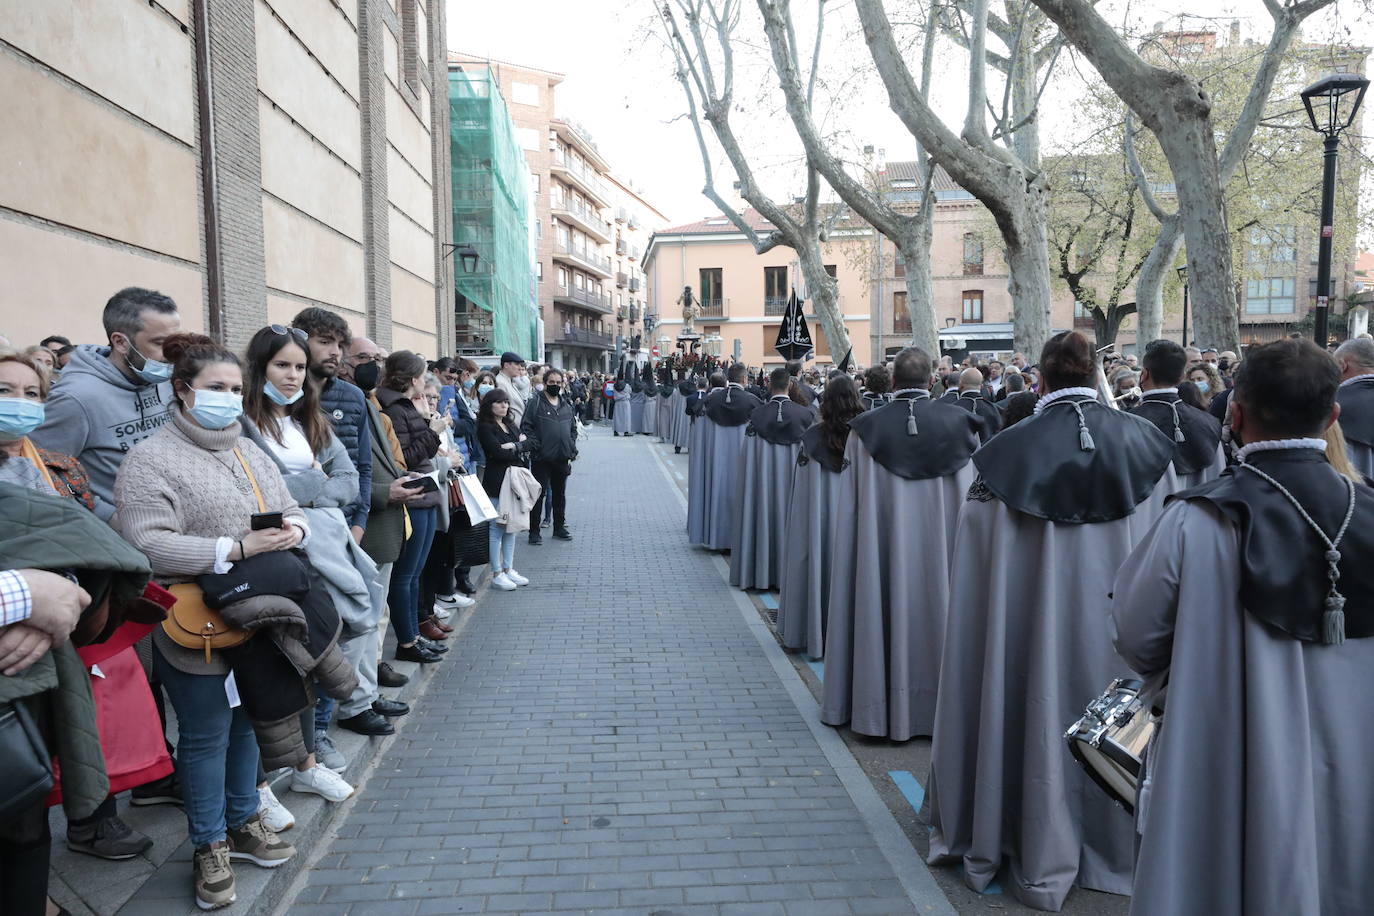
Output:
x,y
282,415
1207,380
402,383
186,497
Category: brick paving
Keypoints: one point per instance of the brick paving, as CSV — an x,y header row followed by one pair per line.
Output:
x,y
610,739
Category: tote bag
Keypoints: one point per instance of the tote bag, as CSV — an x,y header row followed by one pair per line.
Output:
x,y
476,500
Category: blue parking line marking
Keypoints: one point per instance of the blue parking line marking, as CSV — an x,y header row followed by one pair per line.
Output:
x,y
910,787
817,668
769,600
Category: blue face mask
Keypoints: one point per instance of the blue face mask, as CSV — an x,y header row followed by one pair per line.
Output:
x,y
1201,386
20,416
152,370
216,409
467,386
483,390
276,397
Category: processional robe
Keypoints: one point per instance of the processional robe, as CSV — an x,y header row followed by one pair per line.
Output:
x,y
1028,645
1196,434
1257,798
648,421
622,421
637,401
664,421
681,426
806,563
975,403
768,458
1356,397
898,499
714,466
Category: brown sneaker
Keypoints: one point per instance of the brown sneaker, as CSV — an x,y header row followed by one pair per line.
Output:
x,y
255,843
214,877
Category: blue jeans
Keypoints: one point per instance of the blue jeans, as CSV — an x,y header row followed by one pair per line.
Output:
x,y
404,597
502,545
217,753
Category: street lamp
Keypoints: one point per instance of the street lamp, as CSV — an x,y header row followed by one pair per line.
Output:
x,y
1332,103
467,255
1183,278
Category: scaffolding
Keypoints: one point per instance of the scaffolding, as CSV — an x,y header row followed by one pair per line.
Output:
x,y
495,304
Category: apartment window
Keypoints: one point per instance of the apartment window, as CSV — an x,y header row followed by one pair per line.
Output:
x,y
556,194
830,269
577,280
898,265
524,93
562,278
539,270
1276,245
1080,310
973,306
564,237
775,283
1270,296
528,138
901,318
534,182
973,255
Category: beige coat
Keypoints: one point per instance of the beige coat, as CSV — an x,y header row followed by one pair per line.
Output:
x,y
519,492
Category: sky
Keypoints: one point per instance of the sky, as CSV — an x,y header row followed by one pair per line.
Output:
x,y
619,82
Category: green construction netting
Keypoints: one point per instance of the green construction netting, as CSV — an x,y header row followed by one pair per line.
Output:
x,y
497,309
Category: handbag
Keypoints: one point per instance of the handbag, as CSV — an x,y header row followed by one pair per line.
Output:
x,y
476,500
193,624
26,774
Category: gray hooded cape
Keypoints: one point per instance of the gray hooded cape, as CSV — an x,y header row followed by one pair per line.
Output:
x,y
714,466
767,459
806,566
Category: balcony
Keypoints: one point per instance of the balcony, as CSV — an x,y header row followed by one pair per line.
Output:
x,y
620,214
634,284
714,308
634,253
581,337
634,313
584,298
580,177
584,218
634,221
622,313
621,280
775,306
621,248
589,261
472,332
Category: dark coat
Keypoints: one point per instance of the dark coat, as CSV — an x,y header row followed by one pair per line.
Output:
x,y
419,443
499,458
386,533
346,406
551,431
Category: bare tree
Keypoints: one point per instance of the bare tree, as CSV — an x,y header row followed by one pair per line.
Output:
x,y
909,231
1178,110
1001,168
704,55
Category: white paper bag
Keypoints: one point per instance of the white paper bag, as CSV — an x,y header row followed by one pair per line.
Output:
x,y
476,500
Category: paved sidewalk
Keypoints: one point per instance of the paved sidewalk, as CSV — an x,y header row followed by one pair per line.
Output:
x,y
611,739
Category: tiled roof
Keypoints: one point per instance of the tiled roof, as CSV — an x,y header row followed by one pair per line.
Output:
x,y
719,223
906,171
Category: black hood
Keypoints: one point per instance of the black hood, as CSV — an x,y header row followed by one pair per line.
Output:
x,y
732,412
1283,578
1357,411
1195,433
945,437
781,422
685,388
1039,466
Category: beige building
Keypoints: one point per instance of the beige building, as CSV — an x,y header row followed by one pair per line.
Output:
x,y
591,228
248,158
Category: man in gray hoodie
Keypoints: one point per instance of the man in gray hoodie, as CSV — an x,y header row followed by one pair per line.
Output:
x,y
106,399
109,398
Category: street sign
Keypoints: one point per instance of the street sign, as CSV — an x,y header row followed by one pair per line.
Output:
x,y
654,351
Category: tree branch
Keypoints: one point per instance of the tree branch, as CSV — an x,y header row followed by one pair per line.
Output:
x,y
1147,194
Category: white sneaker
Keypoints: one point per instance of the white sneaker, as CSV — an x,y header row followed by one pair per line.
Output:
x,y
516,577
322,781
274,813
457,600
443,613
503,583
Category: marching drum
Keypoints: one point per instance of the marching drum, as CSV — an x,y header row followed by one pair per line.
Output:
x,y
1111,738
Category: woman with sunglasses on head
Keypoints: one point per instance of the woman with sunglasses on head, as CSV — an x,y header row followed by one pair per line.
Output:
x,y
282,415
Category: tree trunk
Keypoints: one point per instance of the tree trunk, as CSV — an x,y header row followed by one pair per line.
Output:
x,y
1028,271
920,291
1149,284
825,299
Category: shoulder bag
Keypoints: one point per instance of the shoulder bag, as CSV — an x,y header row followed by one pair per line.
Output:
x,y
194,624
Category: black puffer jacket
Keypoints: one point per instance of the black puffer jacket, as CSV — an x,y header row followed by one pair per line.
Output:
x,y
419,443
552,430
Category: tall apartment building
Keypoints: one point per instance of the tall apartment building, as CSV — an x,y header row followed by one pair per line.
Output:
x,y
582,214
247,157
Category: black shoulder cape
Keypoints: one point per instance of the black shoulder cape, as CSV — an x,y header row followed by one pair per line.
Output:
x,y
1357,411
1283,567
1201,431
975,403
735,411
780,422
945,437
1039,466
685,388
815,449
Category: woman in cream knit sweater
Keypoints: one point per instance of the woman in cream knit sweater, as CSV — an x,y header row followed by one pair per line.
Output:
x,y
185,500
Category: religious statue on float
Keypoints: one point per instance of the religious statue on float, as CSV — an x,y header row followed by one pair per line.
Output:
x,y
691,311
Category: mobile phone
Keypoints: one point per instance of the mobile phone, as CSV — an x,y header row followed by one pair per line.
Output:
x,y
425,484
263,520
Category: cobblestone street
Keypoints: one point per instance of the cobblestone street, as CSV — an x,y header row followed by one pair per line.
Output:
x,y
613,738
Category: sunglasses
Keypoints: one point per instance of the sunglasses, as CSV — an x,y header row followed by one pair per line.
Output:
x,y
283,331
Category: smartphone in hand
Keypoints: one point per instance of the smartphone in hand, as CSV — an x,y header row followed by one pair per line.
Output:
x,y
425,484
262,520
